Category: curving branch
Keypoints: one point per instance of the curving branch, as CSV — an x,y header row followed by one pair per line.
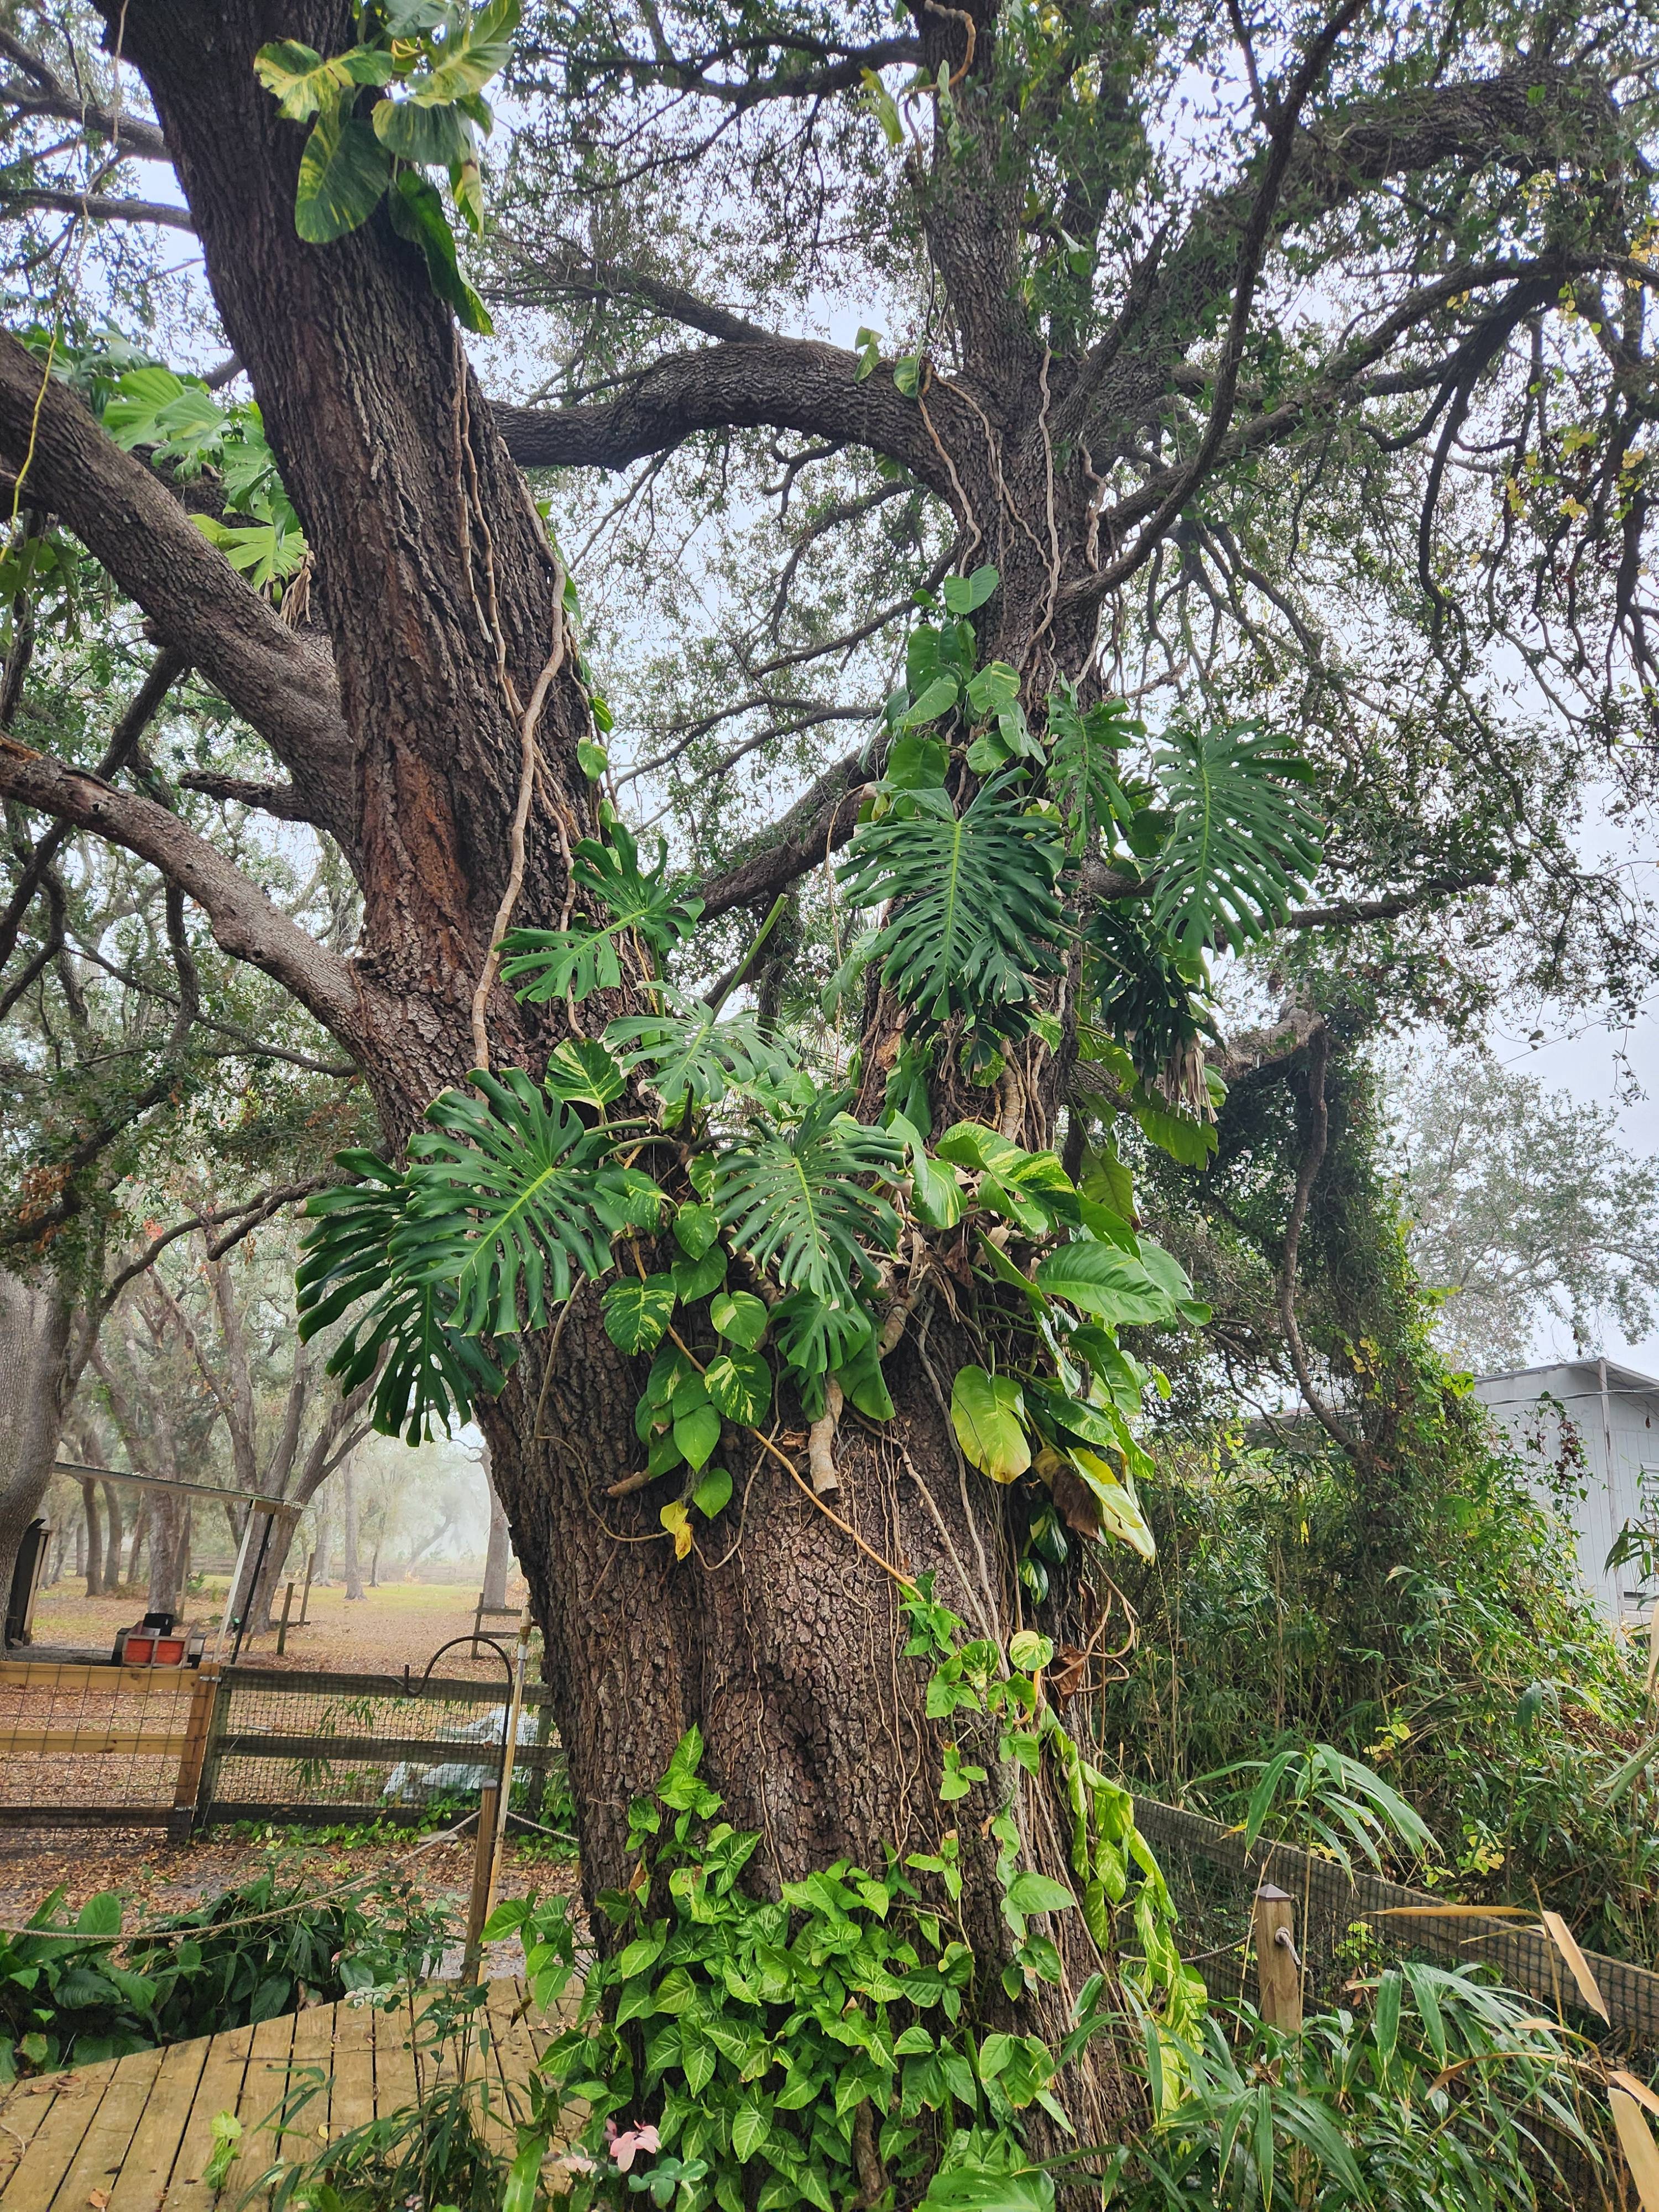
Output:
x,y
568,273
96,207
47,95
280,682
781,384
1348,914
820,822
279,800
167,667
245,923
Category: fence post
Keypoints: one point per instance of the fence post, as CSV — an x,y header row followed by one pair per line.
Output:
x,y
483,1881
202,1691
1277,1968
288,1607
305,1602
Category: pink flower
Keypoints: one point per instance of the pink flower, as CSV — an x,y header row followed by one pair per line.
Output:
x,y
625,2148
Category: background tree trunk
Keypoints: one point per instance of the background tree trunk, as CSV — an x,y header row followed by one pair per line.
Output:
x,y
95,1538
351,1569
113,1540
498,1553
37,1376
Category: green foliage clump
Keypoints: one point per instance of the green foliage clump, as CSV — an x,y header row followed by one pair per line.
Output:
x,y
73,1993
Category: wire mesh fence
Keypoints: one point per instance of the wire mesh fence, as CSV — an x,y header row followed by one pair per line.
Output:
x,y
338,1747
1349,1923
79,1743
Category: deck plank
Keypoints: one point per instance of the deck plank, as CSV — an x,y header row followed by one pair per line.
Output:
x,y
352,2103
263,2089
22,2110
104,2148
313,2047
148,2166
138,2131
218,2090
58,2139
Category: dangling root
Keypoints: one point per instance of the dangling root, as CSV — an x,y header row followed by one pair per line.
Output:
x,y
821,1442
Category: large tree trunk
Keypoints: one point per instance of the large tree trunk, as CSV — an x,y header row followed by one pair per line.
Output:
x,y
437,590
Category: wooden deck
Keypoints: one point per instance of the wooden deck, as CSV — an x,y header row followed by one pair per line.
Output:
x,y
133,2135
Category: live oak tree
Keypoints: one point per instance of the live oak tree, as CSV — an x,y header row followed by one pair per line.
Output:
x,y
1114,378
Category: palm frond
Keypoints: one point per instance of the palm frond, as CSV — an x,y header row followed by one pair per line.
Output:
x,y
545,964
692,1052
974,911
1243,841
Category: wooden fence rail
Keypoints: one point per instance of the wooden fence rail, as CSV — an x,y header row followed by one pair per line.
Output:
x,y
246,1742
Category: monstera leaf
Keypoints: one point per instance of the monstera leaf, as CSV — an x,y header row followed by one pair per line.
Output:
x,y
973,897
546,963
1244,840
691,1051
509,1196
793,1199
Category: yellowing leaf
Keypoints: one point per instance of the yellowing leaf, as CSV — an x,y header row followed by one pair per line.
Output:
x,y
1636,2141
678,1522
1565,1944
986,1412
1116,1501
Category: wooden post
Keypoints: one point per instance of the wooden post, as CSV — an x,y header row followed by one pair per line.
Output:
x,y
1277,1968
288,1607
202,1692
304,1620
483,1881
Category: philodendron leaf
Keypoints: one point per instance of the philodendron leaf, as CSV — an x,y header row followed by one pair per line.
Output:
x,y
636,1313
695,1228
712,1493
697,1432
343,171
582,1072
986,1412
740,1384
1103,1280
739,1316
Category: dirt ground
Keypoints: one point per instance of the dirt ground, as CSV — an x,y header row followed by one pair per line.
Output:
x,y
154,1877
400,1625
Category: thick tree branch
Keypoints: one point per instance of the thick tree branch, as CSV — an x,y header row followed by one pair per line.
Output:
x,y
96,208
244,921
1347,914
280,682
280,799
820,822
781,384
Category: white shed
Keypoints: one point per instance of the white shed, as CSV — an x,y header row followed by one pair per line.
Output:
x,y
1614,1414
